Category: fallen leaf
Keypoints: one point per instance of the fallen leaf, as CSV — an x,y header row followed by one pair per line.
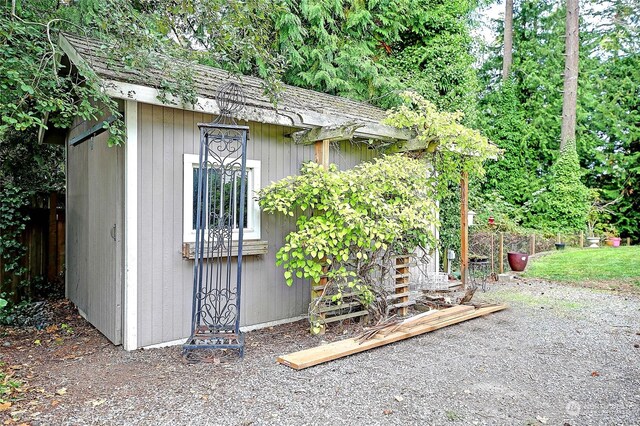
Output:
x,y
5,406
51,328
61,391
96,402
387,412
55,403
594,374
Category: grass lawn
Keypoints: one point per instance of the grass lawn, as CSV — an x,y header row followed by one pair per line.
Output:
x,y
620,264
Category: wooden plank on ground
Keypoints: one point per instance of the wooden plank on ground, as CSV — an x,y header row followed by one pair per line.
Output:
x,y
321,354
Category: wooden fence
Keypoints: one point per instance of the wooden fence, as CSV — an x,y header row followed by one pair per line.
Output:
x,y
44,240
496,245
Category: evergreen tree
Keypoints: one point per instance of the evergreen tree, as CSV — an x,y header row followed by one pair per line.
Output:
x,y
524,119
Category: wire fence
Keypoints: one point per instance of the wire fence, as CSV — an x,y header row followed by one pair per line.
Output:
x,y
495,246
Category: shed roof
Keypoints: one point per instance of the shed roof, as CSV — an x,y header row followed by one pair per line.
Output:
x,y
296,107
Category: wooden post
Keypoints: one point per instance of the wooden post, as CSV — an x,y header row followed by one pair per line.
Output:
x,y
322,153
559,240
581,239
464,228
501,252
60,215
493,265
532,244
402,284
52,251
628,241
317,290
445,261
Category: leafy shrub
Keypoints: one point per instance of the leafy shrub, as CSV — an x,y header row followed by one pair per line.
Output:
x,y
352,215
26,314
563,204
507,217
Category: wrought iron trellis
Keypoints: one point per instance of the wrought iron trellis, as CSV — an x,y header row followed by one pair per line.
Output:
x,y
479,269
219,220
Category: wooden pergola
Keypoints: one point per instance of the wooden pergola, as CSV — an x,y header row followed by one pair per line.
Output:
x,y
321,137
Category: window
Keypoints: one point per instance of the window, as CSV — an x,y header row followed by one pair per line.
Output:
x,y
252,209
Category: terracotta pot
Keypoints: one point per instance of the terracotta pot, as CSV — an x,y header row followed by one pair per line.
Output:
x,y
615,241
517,261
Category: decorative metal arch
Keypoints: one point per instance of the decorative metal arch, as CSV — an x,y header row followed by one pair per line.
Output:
x,y
220,217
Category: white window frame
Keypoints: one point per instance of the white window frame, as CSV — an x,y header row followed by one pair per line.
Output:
x,y
252,227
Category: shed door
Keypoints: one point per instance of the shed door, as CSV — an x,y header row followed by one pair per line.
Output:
x,y
105,216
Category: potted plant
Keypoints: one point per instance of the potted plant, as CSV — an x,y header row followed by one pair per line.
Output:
x,y
612,235
598,212
592,239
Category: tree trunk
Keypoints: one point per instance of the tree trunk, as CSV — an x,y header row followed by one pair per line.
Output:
x,y
507,58
570,95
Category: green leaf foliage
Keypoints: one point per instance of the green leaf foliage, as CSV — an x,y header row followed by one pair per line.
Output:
x,y
371,50
564,204
352,216
389,203
522,115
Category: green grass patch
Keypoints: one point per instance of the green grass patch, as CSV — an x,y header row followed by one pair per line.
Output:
x,y
591,264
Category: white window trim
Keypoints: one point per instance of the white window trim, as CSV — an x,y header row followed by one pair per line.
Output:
x,y
252,228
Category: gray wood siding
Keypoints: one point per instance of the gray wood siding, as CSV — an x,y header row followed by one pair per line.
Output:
x,y
346,154
94,246
165,280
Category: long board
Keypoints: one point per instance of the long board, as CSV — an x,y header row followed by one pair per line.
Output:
x,y
321,354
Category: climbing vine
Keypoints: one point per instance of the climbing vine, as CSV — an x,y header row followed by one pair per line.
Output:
x,y
348,219
454,148
563,204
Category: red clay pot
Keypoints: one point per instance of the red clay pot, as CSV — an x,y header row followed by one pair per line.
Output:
x,y
517,261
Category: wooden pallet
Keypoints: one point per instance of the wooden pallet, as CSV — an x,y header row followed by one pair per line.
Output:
x,y
332,312
400,299
431,321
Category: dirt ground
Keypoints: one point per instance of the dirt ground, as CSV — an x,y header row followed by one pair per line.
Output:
x,y
559,355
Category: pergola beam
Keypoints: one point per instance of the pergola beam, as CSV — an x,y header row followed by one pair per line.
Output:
x,y
413,145
330,133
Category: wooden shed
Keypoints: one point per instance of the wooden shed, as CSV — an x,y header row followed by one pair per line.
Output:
x,y
129,208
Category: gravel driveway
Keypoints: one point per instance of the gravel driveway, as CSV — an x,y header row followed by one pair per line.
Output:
x,y
559,355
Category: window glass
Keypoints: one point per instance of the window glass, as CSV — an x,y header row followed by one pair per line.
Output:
x,y
224,198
